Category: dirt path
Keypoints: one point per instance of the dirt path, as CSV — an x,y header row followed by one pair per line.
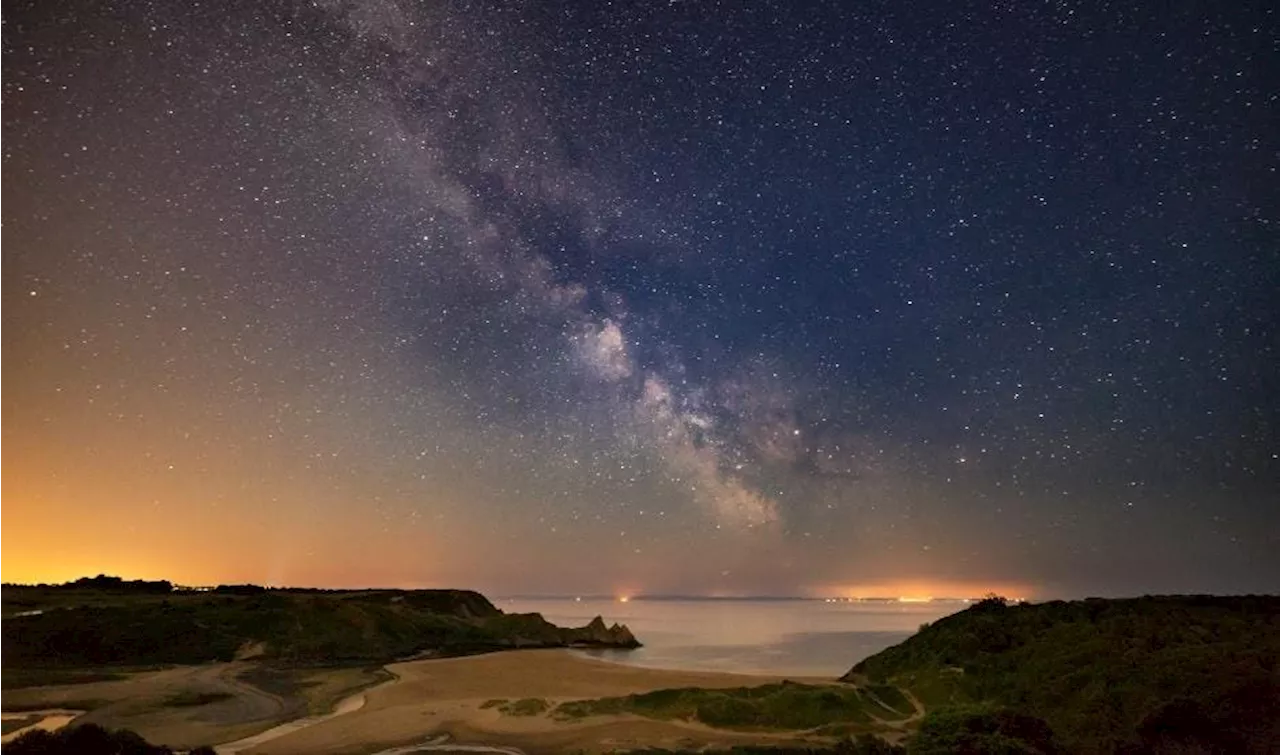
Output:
x,y
916,714
917,709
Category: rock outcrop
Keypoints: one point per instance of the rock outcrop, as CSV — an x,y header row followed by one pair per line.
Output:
x,y
341,626
596,634
529,630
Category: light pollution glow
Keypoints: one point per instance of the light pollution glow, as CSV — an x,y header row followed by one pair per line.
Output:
x,y
458,316
923,590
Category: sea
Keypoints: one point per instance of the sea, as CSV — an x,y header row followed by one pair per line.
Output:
x,y
798,638
792,637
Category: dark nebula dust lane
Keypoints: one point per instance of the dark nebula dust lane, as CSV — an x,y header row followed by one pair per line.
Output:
x,y
670,298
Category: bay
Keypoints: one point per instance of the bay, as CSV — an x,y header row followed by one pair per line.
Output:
x,y
796,637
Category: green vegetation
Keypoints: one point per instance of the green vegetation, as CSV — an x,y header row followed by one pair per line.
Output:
x,y
193,699
863,744
934,688
895,703
529,706
785,706
18,678
1156,674
1147,675
281,682
980,730
108,623
1106,675
82,703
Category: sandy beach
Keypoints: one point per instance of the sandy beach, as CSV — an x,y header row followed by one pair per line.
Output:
x,y
446,697
157,704
410,703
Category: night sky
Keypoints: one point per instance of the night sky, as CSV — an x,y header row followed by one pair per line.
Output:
x,y
703,298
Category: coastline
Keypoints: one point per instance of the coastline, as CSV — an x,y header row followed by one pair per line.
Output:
x,y
189,706
431,698
427,705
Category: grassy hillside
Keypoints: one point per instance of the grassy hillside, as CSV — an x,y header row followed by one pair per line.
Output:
x,y
785,706
86,627
1146,673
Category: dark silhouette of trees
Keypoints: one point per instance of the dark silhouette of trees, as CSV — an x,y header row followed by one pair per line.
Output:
x,y
89,739
239,589
117,584
978,731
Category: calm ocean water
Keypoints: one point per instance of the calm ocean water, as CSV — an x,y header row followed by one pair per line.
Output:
x,y
796,637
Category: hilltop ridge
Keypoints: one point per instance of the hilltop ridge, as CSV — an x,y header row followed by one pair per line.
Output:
x,y
117,623
1150,674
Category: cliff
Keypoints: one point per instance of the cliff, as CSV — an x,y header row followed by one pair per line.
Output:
x,y
100,628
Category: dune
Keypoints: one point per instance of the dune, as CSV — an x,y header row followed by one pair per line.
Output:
x,y
448,697
438,705
164,705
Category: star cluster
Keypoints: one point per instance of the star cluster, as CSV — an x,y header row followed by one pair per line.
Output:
x,y
687,297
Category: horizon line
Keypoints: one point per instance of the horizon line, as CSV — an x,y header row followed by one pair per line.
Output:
x,y
625,597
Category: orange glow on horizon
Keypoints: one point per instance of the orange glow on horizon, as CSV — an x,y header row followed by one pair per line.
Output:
x,y
923,591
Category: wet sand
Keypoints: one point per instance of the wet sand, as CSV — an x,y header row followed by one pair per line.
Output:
x,y
144,701
349,705
427,706
431,698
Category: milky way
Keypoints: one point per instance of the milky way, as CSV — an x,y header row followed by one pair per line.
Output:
x,y
575,297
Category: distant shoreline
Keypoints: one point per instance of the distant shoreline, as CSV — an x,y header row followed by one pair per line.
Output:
x,y
728,599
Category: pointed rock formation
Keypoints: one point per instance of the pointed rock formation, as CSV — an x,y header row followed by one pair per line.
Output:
x,y
597,634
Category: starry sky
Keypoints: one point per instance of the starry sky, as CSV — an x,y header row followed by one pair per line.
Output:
x,y
701,298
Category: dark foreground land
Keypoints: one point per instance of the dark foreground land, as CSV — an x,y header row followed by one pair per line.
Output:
x,y
1182,675
1193,674
104,622
1155,674
191,668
